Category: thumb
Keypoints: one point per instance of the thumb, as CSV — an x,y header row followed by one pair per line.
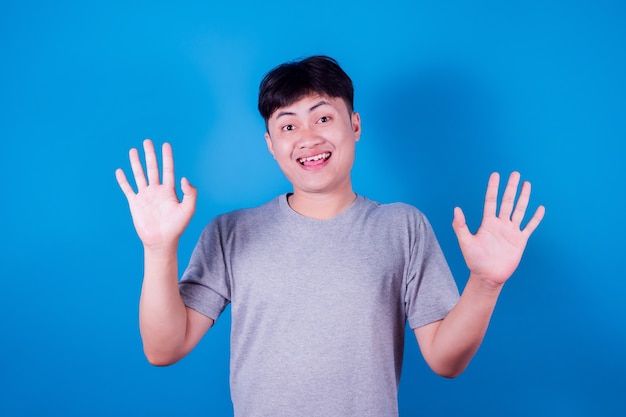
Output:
x,y
189,194
459,225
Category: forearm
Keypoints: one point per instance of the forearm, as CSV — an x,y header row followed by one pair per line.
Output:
x,y
162,313
460,334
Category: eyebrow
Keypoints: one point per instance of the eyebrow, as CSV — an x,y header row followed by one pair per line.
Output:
x,y
290,113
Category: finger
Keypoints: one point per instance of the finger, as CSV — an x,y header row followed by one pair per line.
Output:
x,y
508,198
460,226
122,181
135,164
152,167
168,164
534,221
522,204
189,195
491,196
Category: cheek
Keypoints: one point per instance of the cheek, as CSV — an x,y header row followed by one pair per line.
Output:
x,y
281,151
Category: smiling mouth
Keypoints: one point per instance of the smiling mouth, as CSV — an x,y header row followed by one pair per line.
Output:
x,y
315,159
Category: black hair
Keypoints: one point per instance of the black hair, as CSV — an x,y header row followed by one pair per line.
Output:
x,y
289,82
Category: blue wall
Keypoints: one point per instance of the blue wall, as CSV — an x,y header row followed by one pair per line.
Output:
x,y
448,91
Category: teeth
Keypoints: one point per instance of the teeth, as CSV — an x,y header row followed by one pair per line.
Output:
x,y
324,155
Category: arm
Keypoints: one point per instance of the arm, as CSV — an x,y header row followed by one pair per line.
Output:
x,y
169,329
492,255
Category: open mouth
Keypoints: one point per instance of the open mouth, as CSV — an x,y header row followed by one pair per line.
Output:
x,y
315,159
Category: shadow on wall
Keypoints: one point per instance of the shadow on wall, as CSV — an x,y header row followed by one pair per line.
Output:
x,y
440,122
446,131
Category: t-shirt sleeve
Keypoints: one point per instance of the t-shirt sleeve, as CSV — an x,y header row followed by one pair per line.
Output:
x,y
431,291
205,284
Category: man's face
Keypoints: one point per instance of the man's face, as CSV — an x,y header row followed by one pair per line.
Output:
x,y
313,140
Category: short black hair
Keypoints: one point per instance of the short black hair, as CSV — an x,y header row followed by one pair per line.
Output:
x,y
289,82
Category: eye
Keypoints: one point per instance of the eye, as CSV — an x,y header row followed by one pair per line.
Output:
x,y
288,127
324,119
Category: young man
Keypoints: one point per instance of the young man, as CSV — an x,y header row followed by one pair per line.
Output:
x,y
321,281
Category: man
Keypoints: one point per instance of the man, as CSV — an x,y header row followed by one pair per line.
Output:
x,y
321,281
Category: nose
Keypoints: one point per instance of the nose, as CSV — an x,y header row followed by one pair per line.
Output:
x,y
308,138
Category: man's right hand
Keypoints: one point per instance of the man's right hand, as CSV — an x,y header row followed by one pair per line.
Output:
x,y
158,215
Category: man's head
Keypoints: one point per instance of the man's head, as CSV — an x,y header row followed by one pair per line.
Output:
x,y
312,128
291,81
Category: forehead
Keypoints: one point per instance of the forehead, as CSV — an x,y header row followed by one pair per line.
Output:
x,y
308,104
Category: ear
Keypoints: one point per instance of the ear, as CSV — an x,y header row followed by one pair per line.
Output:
x,y
356,126
268,142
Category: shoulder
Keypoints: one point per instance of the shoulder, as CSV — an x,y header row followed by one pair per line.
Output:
x,y
245,218
397,211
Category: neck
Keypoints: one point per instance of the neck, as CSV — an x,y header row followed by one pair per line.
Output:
x,y
321,206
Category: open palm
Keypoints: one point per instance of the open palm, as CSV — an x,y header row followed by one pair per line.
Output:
x,y
158,215
495,250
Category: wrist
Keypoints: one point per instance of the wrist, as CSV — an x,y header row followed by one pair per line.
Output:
x,y
484,285
161,250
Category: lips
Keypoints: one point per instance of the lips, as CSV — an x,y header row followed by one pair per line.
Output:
x,y
314,159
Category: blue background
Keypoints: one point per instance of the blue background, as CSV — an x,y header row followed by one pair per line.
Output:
x,y
448,91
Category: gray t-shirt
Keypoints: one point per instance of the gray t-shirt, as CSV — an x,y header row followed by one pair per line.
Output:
x,y
319,307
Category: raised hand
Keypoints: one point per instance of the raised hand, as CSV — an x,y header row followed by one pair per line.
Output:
x,y
494,252
158,215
